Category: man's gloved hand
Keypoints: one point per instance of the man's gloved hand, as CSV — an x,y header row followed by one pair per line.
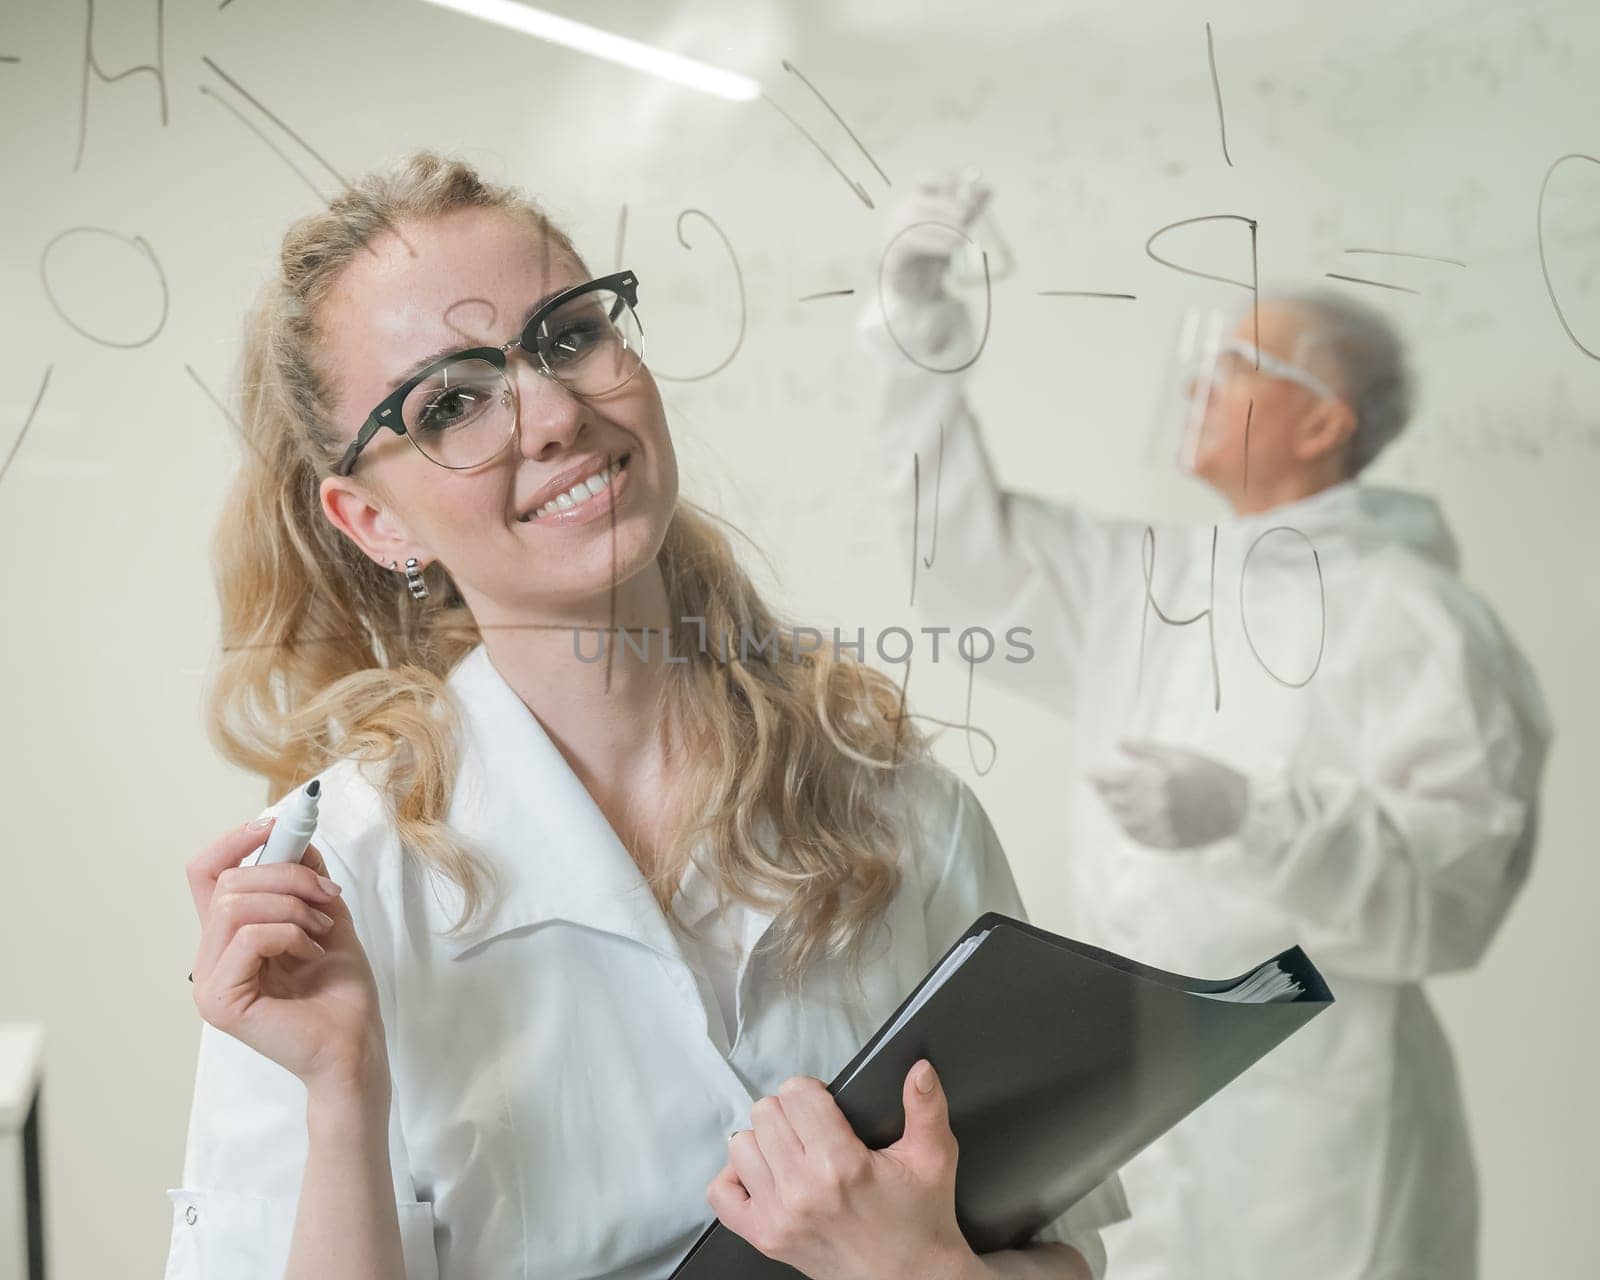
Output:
x,y
915,263
1172,798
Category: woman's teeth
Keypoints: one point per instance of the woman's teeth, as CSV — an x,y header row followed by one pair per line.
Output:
x,y
582,491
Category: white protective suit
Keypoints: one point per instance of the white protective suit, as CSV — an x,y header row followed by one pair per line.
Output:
x,y
1390,820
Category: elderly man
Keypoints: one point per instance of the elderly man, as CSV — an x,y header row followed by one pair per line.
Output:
x,y
1340,748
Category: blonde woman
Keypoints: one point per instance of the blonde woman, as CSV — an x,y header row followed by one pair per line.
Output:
x,y
566,923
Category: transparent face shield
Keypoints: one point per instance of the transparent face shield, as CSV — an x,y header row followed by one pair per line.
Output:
x,y
1207,358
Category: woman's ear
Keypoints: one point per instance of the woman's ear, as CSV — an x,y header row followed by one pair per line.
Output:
x,y
359,515
1325,431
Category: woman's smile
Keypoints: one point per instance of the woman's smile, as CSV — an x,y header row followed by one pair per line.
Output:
x,y
587,498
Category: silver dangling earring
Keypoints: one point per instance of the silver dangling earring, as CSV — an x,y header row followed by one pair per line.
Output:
x,y
419,588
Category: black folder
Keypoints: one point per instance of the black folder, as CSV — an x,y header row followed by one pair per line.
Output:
x,y
1060,1062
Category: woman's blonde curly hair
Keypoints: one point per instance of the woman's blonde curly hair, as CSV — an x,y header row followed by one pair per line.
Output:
x,y
327,657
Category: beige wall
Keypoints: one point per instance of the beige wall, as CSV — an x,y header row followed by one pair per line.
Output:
x,y
1348,124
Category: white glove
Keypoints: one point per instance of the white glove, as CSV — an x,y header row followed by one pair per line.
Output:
x,y
1172,798
915,263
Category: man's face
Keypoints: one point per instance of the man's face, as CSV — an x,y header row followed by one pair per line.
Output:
x,y
1252,411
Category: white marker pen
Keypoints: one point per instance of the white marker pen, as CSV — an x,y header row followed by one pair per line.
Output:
x,y
291,833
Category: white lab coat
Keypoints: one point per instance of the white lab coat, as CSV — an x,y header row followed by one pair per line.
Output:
x,y
564,1085
1391,819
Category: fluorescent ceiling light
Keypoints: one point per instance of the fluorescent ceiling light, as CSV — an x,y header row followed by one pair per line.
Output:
x,y
614,48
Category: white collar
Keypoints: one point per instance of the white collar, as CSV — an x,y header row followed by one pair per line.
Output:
x,y
519,804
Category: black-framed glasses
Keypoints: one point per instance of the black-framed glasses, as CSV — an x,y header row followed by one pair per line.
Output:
x,y
462,409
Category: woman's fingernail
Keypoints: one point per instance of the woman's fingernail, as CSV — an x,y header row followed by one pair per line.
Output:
x,y
328,885
925,1079
323,918
255,824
